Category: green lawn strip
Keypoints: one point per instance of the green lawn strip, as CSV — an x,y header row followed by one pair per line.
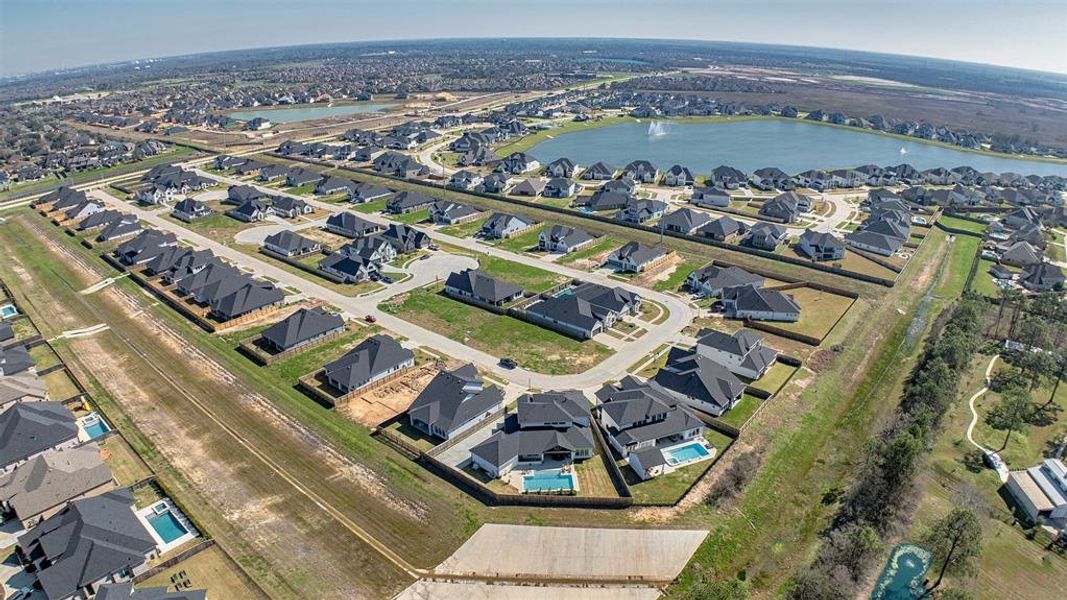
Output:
x,y
739,414
669,488
463,230
535,348
983,279
303,190
602,245
59,385
530,278
524,241
775,377
819,311
371,207
961,255
674,281
413,217
964,224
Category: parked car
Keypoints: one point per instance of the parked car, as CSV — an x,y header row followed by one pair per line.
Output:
x,y
508,363
386,279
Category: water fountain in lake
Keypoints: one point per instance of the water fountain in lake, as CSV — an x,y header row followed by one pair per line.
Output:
x,y
656,129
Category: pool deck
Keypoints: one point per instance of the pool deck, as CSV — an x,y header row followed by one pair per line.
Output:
x,y
163,546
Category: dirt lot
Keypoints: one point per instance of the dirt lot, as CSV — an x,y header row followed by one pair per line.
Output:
x,y
383,403
480,591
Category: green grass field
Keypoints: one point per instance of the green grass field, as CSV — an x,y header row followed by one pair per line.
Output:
x,y
530,278
413,217
669,488
597,247
533,347
463,230
739,414
676,279
819,311
964,224
524,241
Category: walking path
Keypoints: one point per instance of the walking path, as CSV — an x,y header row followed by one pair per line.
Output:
x,y
1000,467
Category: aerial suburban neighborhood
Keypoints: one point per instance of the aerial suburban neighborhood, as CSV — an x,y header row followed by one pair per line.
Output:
x,y
530,317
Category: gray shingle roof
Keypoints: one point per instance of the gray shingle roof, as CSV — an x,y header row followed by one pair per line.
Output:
x,y
453,398
52,478
482,286
32,427
373,356
301,326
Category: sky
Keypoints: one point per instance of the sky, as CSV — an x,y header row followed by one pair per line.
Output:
x,y
39,35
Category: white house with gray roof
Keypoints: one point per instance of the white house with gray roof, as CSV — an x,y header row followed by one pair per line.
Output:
x,y
454,402
742,352
563,239
42,486
634,257
475,285
1041,492
373,359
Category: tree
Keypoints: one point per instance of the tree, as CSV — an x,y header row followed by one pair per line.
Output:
x,y
853,548
956,542
1012,412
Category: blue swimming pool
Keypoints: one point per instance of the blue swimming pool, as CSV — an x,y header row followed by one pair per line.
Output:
x,y
167,526
96,429
549,480
687,453
8,311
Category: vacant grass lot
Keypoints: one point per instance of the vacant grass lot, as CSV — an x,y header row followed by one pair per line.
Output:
x,y
674,281
413,217
312,260
964,224
819,311
126,466
219,226
371,207
597,247
209,570
59,385
529,278
467,229
533,347
527,240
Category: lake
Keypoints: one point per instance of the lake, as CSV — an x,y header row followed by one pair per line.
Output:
x,y
309,112
792,146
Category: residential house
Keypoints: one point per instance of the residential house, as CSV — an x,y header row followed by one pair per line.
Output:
x,y
248,295
641,171
367,192
742,352
405,238
351,268
42,486
350,225
251,211
549,428
640,420
700,382
14,360
820,246
28,429
1042,277
89,542
723,229
239,194
563,239
765,236
685,220
641,211
559,187
532,187
501,226
635,257
454,402
471,284
301,328
710,197
406,202
585,310
101,219
518,163
562,168
759,304
771,178
604,200
189,210
297,177
710,281
289,243
144,247
464,180
678,176
444,212
372,248
728,178
290,207
373,359
335,185
781,208
598,171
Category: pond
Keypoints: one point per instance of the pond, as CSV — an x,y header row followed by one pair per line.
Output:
x,y
793,146
904,574
312,111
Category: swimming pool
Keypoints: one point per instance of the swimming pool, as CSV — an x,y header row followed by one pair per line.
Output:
x,y
679,455
547,481
167,526
96,429
902,578
8,310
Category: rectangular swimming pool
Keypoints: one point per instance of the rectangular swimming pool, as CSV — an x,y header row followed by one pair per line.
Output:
x,y
685,454
548,481
167,526
94,426
8,311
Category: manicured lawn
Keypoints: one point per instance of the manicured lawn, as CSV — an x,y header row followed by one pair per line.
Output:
x,y
775,377
597,247
463,230
593,478
213,571
674,281
402,429
304,190
126,466
961,254
1027,448
43,356
530,278
667,489
315,357
533,347
983,280
739,414
964,224
524,241
417,216
819,311
371,207
59,385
